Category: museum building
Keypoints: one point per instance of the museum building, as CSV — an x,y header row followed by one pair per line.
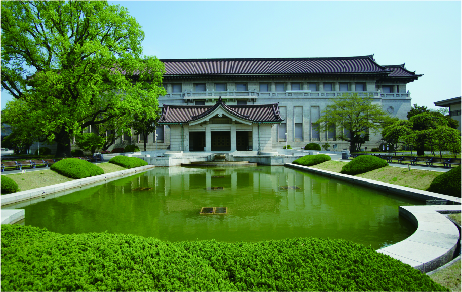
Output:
x,y
263,104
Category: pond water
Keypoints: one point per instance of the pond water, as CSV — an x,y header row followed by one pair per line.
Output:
x,y
262,203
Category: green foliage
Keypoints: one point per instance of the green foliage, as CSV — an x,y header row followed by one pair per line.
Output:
x,y
417,110
362,164
89,141
143,126
309,160
77,153
36,259
444,138
76,168
131,148
117,150
66,64
43,151
288,147
356,114
447,183
312,146
375,150
326,146
128,162
8,185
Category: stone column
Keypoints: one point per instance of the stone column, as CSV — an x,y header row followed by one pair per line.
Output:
x,y
186,138
304,86
208,138
336,86
255,137
233,137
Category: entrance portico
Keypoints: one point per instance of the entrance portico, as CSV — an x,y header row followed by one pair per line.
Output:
x,y
220,127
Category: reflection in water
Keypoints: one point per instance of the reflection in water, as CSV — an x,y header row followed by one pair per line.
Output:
x,y
262,203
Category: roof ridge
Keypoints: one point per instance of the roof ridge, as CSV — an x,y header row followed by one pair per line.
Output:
x,y
267,59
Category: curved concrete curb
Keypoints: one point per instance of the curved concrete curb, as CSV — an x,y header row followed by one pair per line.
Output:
x,y
433,243
10,216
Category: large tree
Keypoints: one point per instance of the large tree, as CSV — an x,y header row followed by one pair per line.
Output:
x,y
356,114
70,65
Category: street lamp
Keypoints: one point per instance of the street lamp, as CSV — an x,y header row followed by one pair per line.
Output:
x,y
156,143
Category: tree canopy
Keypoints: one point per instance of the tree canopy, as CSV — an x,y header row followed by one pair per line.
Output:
x,y
70,65
356,114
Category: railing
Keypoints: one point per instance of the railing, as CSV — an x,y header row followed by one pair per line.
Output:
x,y
293,94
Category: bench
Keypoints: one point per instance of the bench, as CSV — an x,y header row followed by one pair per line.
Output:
x,y
38,162
451,161
26,163
414,160
430,161
48,162
9,164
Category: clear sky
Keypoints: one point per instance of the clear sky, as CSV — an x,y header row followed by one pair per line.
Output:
x,y
424,35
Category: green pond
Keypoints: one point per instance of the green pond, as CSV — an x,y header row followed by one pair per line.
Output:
x,y
263,203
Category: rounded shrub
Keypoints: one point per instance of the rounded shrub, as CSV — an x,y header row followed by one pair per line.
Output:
x,y
131,148
362,164
128,162
76,168
288,147
312,146
447,183
8,185
309,160
77,153
43,151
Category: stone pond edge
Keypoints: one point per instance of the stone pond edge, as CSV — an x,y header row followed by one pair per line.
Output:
x,y
434,242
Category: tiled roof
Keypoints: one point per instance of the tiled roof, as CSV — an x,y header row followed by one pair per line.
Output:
x,y
400,71
263,113
362,64
448,102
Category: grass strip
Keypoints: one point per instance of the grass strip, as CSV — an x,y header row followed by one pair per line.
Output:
x,y
36,259
414,178
46,177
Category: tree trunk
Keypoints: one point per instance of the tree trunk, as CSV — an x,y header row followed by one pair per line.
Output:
x,y
63,140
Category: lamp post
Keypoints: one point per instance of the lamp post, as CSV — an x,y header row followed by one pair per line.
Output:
x,y
156,143
286,140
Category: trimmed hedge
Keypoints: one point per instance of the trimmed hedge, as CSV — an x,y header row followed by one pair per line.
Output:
x,y
8,185
128,162
288,147
117,150
35,259
447,183
309,160
312,146
43,151
131,148
76,168
362,164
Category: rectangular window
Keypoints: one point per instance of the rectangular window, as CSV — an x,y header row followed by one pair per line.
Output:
x,y
220,86
360,87
282,132
295,86
160,134
242,102
280,87
312,87
176,88
299,131
343,86
241,86
331,132
128,138
264,87
386,89
199,87
347,133
199,102
327,86
315,132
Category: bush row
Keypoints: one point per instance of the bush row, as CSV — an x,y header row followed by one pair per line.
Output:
x,y
128,162
76,168
8,185
43,151
447,183
309,160
362,164
36,259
